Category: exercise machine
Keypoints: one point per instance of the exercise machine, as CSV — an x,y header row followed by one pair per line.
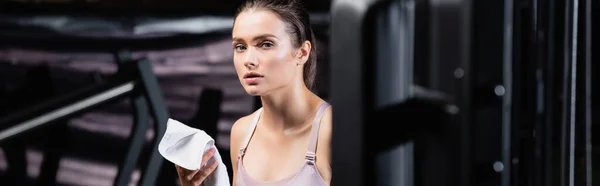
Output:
x,y
503,89
134,80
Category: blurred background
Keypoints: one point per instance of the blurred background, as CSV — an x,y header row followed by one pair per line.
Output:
x,y
55,49
478,92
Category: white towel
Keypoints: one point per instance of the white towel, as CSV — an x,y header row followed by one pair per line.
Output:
x,y
185,146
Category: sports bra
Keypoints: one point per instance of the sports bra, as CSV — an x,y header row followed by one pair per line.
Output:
x,y
308,174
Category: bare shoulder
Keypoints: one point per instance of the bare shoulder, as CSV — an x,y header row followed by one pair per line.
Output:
x,y
326,126
325,130
324,145
239,131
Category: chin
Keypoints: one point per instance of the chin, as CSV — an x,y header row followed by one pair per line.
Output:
x,y
253,90
253,93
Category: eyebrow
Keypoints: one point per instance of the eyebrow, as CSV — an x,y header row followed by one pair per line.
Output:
x,y
260,37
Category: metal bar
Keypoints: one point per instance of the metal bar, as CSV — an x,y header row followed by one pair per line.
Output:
x,y
573,94
55,139
507,99
209,111
54,114
137,140
588,92
466,88
568,94
549,93
546,91
16,159
348,139
393,71
539,40
160,113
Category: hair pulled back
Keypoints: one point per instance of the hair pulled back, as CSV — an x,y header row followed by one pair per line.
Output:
x,y
292,12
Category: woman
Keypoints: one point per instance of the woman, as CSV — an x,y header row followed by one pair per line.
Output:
x,y
287,141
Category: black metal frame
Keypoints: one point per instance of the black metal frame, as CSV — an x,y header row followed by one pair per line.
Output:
x,y
534,92
542,52
348,146
587,101
557,36
508,86
135,80
546,62
388,49
360,134
571,11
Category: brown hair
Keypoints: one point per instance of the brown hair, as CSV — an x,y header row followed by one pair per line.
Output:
x,y
293,13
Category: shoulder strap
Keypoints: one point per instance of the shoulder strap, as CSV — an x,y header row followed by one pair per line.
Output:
x,y
314,133
251,128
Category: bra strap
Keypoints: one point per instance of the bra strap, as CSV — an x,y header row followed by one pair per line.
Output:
x,y
251,128
314,133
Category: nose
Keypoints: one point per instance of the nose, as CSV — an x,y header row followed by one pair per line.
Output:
x,y
251,60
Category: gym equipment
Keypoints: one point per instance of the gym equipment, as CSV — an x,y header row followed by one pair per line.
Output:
x,y
385,75
37,86
209,111
547,111
134,80
207,118
511,80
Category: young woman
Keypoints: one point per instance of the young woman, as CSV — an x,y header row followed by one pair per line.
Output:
x,y
287,141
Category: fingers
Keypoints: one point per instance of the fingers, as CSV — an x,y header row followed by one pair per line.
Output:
x,y
190,175
206,171
187,174
196,177
207,156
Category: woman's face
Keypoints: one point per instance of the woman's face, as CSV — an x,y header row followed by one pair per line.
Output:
x,y
264,57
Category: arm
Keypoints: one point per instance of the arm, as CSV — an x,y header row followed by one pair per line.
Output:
x,y
324,146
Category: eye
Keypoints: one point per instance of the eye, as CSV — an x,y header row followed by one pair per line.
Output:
x,y
267,45
239,48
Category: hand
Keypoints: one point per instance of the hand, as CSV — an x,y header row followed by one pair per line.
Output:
x,y
197,177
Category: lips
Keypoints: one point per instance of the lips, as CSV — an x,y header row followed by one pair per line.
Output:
x,y
252,75
252,78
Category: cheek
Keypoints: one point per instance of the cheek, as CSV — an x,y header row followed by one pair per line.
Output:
x,y
281,65
282,58
238,64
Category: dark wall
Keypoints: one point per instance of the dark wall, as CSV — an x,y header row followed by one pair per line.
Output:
x,y
119,7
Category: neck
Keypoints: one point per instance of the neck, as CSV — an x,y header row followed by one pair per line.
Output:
x,y
287,108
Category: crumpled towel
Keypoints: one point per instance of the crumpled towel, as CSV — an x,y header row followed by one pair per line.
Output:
x,y
184,146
